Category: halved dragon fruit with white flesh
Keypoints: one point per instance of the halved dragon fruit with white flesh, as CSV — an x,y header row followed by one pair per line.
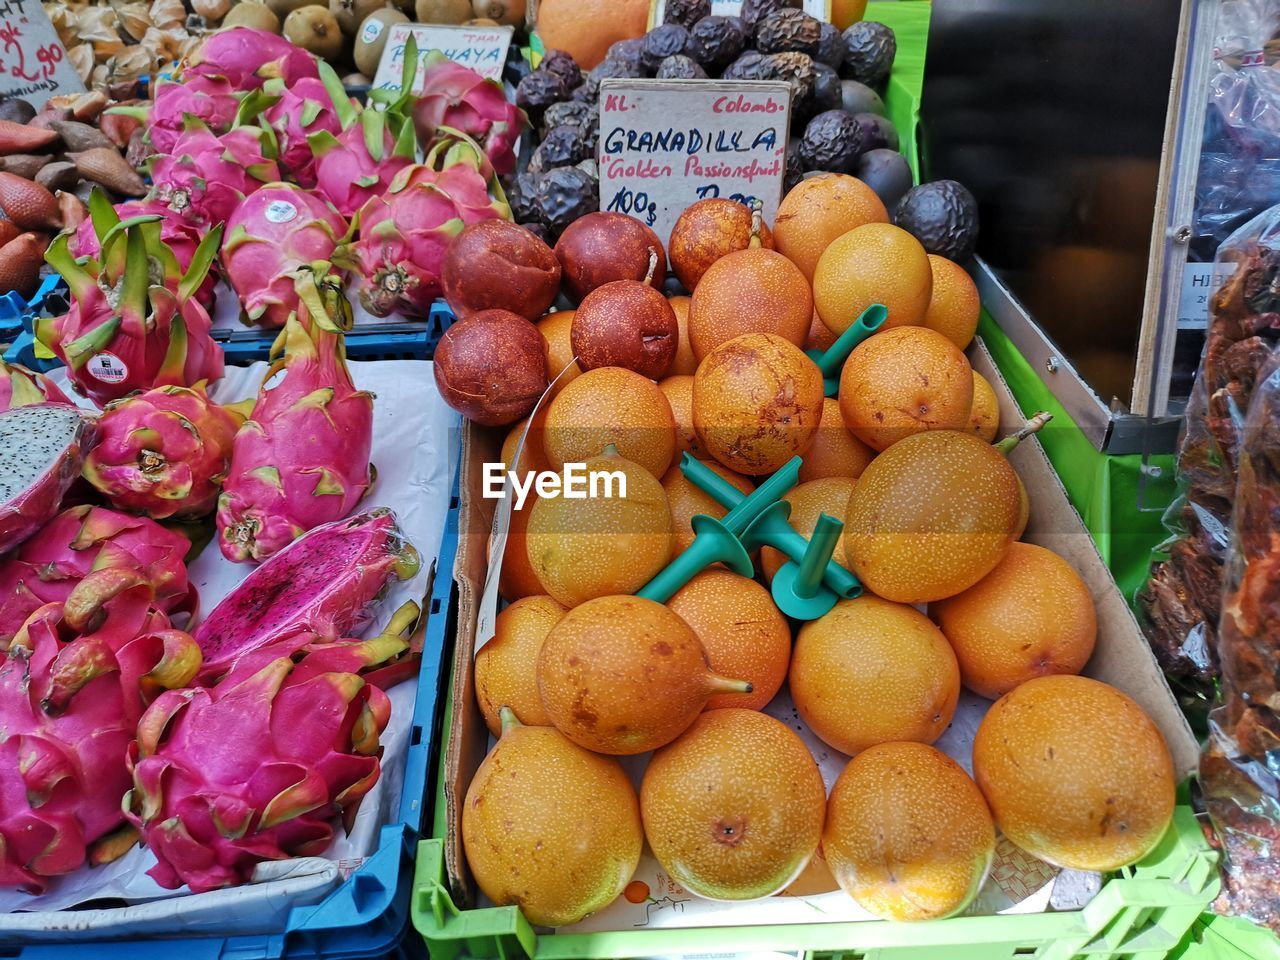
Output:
x,y
325,583
41,450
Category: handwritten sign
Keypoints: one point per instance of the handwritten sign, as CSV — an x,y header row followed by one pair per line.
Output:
x,y
33,63
665,144
483,49
731,8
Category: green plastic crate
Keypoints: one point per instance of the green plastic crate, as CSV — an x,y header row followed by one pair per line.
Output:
x,y
1143,913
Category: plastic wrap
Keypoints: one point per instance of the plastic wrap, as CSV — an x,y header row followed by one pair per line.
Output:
x,y
1181,603
1239,173
1237,770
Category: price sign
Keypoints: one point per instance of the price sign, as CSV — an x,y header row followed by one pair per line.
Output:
x,y
665,144
731,8
483,49
33,62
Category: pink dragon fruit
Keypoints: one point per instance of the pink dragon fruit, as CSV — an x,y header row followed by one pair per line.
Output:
x,y
135,323
20,387
246,58
325,585
456,97
402,235
81,540
210,100
257,767
302,457
163,453
299,110
179,234
40,455
359,163
206,177
274,233
73,685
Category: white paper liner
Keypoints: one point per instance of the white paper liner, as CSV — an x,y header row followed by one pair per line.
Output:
x,y
415,450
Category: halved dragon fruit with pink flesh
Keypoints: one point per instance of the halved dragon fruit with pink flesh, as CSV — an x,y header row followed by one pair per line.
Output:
x,y
300,110
402,235
360,162
164,452
456,97
81,540
179,234
325,585
210,100
302,457
206,177
278,230
246,58
20,387
257,767
74,683
135,322
40,454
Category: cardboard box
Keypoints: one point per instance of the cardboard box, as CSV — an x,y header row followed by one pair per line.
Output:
x,y
1121,657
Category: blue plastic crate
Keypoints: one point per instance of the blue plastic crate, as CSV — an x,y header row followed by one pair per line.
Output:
x,y
402,340
17,314
368,916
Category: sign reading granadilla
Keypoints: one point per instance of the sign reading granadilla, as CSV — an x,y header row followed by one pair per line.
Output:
x,y
666,144
33,62
483,49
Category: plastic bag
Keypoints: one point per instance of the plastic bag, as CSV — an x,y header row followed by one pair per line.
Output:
x,y
1239,172
1181,601
1237,770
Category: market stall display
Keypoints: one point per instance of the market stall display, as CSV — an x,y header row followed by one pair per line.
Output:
x,y
810,651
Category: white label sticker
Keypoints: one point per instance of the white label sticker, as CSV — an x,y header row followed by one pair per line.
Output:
x,y
108,368
281,211
1199,283
372,30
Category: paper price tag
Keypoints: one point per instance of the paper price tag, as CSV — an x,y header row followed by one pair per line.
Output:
x,y
33,62
1200,282
731,8
483,49
666,144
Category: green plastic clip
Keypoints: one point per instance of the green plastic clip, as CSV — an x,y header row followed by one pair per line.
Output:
x,y
742,508
797,587
771,529
830,361
712,543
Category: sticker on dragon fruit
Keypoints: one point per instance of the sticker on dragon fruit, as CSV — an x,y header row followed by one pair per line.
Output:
x,y
108,368
281,211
